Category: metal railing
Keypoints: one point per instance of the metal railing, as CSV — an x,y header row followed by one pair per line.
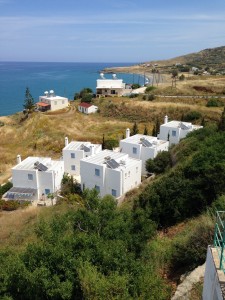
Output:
x,y
219,238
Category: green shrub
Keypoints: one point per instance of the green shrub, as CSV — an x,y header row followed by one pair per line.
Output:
x,y
192,116
5,187
150,88
214,103
12,205
189,251
133,95
87,98
160,163
110,144
150,97
135,86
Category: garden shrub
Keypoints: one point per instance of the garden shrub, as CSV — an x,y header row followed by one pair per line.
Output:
x,y
192,116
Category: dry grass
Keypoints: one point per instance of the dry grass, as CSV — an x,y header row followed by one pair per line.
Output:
x,y
42,134
16,228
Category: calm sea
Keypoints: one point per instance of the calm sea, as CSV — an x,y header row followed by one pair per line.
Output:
x,y
64,78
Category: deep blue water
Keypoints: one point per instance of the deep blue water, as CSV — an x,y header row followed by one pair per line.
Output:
x,y
64,78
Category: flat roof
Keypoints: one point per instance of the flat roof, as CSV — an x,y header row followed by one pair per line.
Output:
x,y
182,125
75,145
139,138
106,155
29,163
177,124
53,98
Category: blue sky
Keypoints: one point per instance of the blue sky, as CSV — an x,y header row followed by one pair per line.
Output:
x,y
108,30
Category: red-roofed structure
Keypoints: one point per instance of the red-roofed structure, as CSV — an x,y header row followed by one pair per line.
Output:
x,y
87,108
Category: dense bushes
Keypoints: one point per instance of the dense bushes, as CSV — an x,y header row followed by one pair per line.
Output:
x,y
160,163
4,188
12,205
192,186
92,252
189,249
191,116
213,102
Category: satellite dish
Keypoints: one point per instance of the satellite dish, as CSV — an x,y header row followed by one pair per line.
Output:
x,y
114,76
102,75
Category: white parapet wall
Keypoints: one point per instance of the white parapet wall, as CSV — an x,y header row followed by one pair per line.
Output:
x,y
214,278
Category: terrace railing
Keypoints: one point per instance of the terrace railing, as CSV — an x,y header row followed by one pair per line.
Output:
x,y
219,238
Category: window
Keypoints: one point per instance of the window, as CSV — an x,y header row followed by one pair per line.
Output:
x,y
97,187
113,92
47,191
134,150
72,155
97,172
113,192
73,167
173,133
30,176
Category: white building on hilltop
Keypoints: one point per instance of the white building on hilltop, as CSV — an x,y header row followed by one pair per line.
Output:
x,y
110,172
34,177
174,131
110,87
74,151
142,147
51,102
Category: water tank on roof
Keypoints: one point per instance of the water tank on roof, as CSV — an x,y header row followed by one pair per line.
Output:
x,y
52,93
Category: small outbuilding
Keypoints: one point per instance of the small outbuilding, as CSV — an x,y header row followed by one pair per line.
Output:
x,y
87,108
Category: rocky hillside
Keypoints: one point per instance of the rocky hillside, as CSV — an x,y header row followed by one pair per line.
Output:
x,y
212,60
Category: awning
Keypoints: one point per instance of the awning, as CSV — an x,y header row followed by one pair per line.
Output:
x,y
42,104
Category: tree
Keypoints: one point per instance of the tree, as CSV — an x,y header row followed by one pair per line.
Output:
x,y
174,77
154,131
145,130
160,163
221,125
135,129
103,142
157,126
29,101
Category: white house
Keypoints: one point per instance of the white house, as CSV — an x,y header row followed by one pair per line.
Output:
x,y
110,87
34,177
87,108
74,151
51,102
174,131
110,172
142,147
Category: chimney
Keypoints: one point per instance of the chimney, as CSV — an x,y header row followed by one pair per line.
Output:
x,y
92,150
18,159
165,119
127,133
66,141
